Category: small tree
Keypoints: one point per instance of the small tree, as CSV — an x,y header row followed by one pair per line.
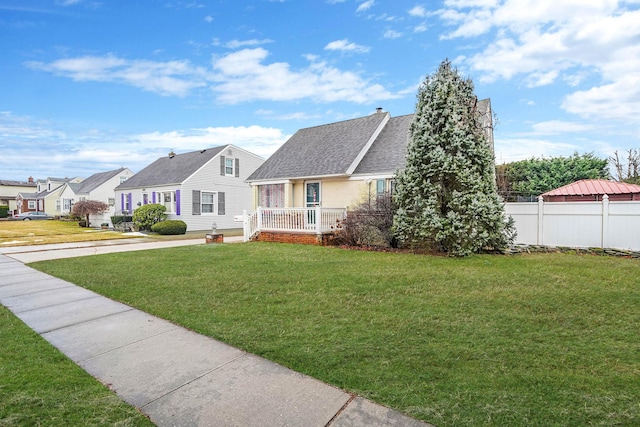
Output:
x,y
629,170
148,215
446,195
84,208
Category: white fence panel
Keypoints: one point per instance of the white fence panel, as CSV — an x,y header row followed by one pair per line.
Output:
x,y
624,224
579,224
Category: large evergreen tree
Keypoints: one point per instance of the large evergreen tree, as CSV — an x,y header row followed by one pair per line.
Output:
x,y
446,196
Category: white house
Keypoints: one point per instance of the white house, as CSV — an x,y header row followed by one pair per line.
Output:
x,y
199,188
99,186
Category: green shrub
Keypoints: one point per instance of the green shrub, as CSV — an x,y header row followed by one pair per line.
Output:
x,y
148,215
117,219
4,211
170,226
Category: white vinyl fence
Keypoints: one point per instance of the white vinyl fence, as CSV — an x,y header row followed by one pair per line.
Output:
x,y
602,224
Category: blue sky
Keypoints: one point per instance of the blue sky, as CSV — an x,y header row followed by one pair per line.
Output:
x,y
88,86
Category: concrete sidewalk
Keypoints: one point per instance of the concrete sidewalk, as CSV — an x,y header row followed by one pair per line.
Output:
x,y
175,376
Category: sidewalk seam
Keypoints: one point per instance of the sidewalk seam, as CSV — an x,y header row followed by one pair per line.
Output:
x,y
244,354
59,303
84,321
341,410
174,327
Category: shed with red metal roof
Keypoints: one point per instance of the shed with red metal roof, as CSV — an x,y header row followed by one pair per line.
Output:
x,y
590,190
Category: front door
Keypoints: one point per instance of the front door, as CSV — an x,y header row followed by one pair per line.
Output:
x,y
312,190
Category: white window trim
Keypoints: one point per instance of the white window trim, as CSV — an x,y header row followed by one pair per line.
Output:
x,y
233,166
213,203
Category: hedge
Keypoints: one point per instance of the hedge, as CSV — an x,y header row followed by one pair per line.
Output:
x,y
170,226
117,219
4,211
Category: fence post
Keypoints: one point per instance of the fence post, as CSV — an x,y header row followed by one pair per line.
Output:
x,y
245,225
318,214
539,240
258,218
605,221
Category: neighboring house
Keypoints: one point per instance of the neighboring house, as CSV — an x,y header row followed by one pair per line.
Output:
x,y
340,164
99,186
9,191
45,197
199,188
590,190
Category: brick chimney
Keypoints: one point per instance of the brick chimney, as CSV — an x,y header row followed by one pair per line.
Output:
x,y
30,181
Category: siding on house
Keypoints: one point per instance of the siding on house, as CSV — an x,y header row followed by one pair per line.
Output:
x,y
237,194
188,176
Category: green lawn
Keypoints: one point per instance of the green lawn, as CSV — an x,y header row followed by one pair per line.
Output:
x,y
535,340
24,233
39,386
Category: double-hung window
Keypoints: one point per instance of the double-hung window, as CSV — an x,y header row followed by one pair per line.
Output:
x,y
228,166
207,201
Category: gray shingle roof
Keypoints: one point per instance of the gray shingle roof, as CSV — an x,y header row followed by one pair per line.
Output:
x,y
320,151
331,149
388,152
94,181
17,183
171,170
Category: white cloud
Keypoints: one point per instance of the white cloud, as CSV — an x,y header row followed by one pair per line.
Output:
x,y
42,148
421,28
234,44
365,6
557,127
256,139
619,100
547,42
513,149
344,46
243,77
172,78
208,19
418,11
391,34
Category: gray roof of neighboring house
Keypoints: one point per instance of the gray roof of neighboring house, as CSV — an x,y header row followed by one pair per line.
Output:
x,y
388,152
171,170
94,181
321,150
40,195
17,183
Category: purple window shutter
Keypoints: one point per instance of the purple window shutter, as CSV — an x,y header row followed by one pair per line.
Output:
x,y
178,202
122,201
153,197
130,204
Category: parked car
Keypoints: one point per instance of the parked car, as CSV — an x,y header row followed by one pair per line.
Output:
x,y
27,216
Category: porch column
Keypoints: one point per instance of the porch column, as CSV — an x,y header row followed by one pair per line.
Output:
x,y
318,214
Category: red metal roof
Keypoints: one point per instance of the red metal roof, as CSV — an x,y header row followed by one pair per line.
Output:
x,y
586,187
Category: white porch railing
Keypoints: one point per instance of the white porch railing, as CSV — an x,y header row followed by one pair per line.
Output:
x,y
316,220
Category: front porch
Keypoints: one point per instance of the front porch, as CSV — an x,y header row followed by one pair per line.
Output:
x,y
296,225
